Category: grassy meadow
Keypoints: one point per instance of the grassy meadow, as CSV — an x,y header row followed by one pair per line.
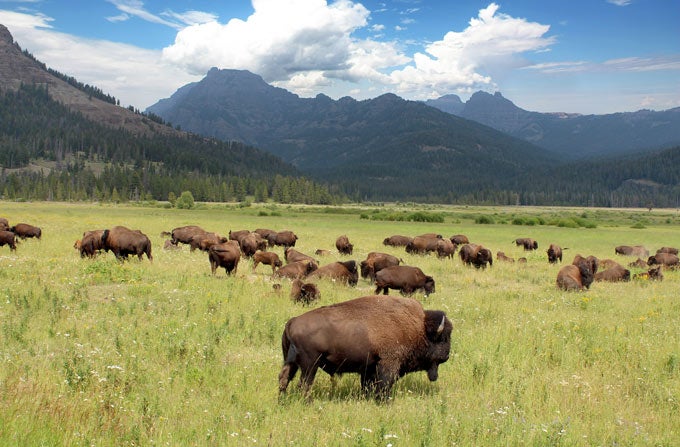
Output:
x,y
102,353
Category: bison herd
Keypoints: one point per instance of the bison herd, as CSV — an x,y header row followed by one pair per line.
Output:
x,y
380,338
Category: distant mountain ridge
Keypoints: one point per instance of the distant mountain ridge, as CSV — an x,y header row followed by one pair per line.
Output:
x,y
573,136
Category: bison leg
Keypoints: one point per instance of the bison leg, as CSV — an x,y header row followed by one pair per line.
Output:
x,y
386,375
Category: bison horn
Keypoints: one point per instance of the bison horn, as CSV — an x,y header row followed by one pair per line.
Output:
x,y
440,329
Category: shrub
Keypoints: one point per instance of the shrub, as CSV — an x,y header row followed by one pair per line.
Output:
x,y
484,220
185,201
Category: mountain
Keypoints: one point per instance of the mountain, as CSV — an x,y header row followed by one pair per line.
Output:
x,y
384,147
573,136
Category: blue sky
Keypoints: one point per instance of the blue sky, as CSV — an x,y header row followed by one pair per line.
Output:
x,y
578,56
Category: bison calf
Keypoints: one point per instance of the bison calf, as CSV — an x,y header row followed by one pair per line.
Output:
x,y
304,292
267,258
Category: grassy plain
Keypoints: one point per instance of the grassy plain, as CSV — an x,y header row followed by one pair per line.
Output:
x,y
102,353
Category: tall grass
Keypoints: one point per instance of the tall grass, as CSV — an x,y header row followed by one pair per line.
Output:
x,y
97,352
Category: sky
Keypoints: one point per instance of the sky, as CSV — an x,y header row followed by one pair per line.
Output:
x,y
575,56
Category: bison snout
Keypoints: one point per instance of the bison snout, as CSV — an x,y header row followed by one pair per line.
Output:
x,y
433,373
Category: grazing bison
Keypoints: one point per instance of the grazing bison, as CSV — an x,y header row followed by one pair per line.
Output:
x,y
375,262
501,256
226,255
267,258
671,250
577,276
123,241
526,242
297,269
91,243
24,230
304,293
184,234
459,239
203,241
554,253
663,259
264,232
613,273
4,224
292,255
404,278
422,244
343,245
397,241
445,248
8,238
250,243
627,250
284,238
380,338
338,271
477,255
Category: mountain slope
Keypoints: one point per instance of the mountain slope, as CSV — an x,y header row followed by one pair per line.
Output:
x,y
572,135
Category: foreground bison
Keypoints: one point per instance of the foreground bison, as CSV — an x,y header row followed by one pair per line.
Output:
x,y
8,238
579,275
404,278
380,338
24,230
225,255
123,242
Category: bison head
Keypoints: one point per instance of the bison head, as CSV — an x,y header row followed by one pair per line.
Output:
x,y
438,333
429,285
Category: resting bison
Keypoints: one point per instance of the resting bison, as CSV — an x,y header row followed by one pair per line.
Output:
x,y
664,259
422,244
23,231
477,255
267,258
91,243
292,255
380,338
579,275
640,263
282,238
338,271
554,253
397,241
168,245
627,250
526,242
375,262
653,274
343,245
298,269
322,252
671,250
614,273
123,242
459,239
404,278
4,224
501,256
184,234
304,293
8,238
226,255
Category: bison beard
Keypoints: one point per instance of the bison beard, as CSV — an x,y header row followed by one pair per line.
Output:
x,y
380,338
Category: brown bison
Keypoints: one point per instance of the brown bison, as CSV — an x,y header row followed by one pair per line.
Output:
x,y
168,245
445,248
404,278
613,273
343,245
554,253
376,261
264,232
422,245
501,256
24,230
627,250
250,243
297,269
639,263
380,338
8,238
397,241
526,242
653,274
267,258
579,275
338,271
4,224
123,242
203,241
459,239
664,259
292,255
322,252
284,238
226,255
184,234
304,293
671,250
91,243
475,254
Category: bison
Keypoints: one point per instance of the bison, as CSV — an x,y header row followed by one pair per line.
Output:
x,y
526,242
380,338
226,255
554,253
639,263
613,273
4,224
653,274
284,238
184,234
8,238
338,271
267,258
405,278
292,255
304,293
123,241
297,269
397,241
24,230
264,232
445,248
501,256
322,252
203,241
459,239
627,250
477,255
664,259
422,244
376,261
671,250
579,275
91,243
343,245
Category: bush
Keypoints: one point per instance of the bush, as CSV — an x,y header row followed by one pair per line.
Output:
x,y
185,201
484,220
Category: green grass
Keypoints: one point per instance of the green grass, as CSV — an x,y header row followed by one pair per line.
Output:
x,y
95,352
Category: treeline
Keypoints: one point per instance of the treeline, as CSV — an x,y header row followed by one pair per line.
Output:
x,y
83,160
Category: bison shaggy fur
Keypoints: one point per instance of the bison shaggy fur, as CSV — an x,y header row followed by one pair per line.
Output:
x,y
376,261
345,272
225,255
24,230
397,240
613,273
304,293
477,255
343,245
297,269
578,275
